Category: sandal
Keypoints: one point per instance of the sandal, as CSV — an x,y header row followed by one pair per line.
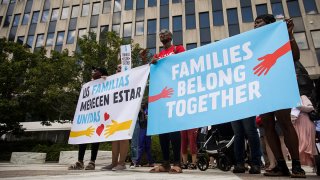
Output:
x,y
175,170
192,166
159,169
184,166
77,166
91,166
298,172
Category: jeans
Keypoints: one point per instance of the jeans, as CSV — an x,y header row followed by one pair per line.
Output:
x,y
246,128
135,142
144,145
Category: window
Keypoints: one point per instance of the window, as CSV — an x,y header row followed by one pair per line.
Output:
x,y
65,13
233,22
277,10
82,32
301,40
116,28
164,23
204,23
103,32
246,11
75,11
127,29
35,17
191,46
139,28
139,14
85,10
117,6
163,2
218,18
293,8
217,13
25,19
96,8
60,37
176,1
204,20
152,23
128,5
152,3
49,41
46,5
39,42
55,14
5,2
116,18
7,21
261,9
30,41
70,37
190,21
106,6
45,16
177,23
16,20
140,4
310,7
20,39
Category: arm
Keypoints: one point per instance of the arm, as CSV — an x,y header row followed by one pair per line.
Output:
x,y
293,43
306,105
165,93
88,132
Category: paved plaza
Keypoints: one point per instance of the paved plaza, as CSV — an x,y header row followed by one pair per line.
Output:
x,y
59,172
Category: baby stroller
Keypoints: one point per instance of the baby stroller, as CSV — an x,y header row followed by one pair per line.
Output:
x,y
218,144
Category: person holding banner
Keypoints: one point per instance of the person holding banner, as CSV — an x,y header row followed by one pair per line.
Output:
x,y
97,73
282,116
173,137
119,150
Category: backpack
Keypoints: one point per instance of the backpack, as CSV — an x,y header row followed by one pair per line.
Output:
x,y
305,83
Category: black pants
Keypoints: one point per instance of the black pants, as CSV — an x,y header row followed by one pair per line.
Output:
x,y
175,139
94,151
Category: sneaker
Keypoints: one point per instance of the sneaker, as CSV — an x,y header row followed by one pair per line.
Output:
x,y
239,168
278,171
192,166
255,169
108,167
91,166
133,165
119,168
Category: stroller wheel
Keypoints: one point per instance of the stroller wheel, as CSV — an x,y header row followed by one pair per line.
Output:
x,y
203,163
224,163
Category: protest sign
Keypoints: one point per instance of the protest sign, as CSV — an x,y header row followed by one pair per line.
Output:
x,y
238,77
107,109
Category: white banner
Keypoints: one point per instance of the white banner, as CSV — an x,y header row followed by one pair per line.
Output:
x,y
107,109
125,57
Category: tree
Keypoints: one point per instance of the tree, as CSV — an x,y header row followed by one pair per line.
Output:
x,y
103,53
35,87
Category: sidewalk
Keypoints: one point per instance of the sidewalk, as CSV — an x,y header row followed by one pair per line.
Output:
x,y
59,172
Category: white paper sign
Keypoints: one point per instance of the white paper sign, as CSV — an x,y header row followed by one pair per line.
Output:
x,y
125,57
107,109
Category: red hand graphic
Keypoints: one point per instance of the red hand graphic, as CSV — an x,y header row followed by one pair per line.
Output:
x,y
106,116
267,62
166,93
270,59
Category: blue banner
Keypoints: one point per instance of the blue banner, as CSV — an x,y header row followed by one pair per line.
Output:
x,y
245,75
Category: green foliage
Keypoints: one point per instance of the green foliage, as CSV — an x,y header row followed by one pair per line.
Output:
x,y
35,87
